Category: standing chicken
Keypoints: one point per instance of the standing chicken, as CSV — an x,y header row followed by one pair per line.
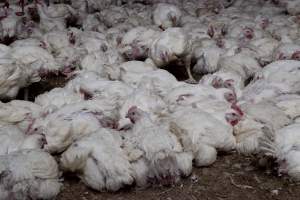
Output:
x,y
166,15
171,45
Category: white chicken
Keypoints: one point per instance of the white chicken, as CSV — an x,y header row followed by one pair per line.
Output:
x,y
166,15
171,45
205,138
255,117
155,153
29,174
99,161
186,94
58,97
145,100
283,145
35,58
287,51
20,113
136,42
13,77
13,139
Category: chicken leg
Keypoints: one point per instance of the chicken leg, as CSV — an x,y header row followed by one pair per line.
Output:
x,y
187,63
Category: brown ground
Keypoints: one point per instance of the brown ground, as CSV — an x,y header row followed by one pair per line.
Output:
x,y
232,177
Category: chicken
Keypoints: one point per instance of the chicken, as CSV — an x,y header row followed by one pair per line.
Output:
x,y
29,174
136,42
256,116
241,64
224,79
207,59
158,81
171,45
285,72
155,153
74,121
205,138
13,139
289,104
8,26
283,146
186,94
131,72
287,51
36,59
116,15
13,77
99,161
145,100
292,7
53,16
166,15
20,113
58,97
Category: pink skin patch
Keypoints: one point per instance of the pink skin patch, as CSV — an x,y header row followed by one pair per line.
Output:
x,y
237,109
29,129
135,52
248,33
217,82
228,83
281,56
232,118
234,122
68,71
230,97
164,56
296,55
183,97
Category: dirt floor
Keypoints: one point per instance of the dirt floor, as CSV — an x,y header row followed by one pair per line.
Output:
x,y
233,177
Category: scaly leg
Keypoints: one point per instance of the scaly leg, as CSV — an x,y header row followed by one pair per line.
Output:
x,y
191,79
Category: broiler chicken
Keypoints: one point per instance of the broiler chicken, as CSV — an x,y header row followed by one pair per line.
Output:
x,y
283,145
99,161
166,15
20,113
256,116
70,123
171,45
13,139
154,152
203,139
29,174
